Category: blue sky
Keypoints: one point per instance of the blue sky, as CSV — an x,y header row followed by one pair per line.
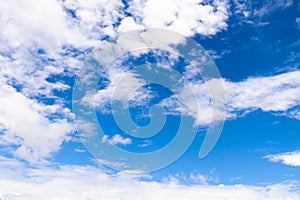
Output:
x,y
45,51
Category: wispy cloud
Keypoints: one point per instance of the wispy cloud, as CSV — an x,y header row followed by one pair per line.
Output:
x,y
256,14
274,93
277,94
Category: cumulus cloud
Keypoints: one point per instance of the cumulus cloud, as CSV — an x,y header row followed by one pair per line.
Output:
x,y
289,158
49,24
86,182
186,17
28,128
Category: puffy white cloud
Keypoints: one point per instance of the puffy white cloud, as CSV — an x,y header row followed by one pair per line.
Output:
x,y
28,130
30,23
128,23
85,182
186,17
289,158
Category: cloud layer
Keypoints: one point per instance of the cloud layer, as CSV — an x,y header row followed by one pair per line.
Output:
x,y
84,182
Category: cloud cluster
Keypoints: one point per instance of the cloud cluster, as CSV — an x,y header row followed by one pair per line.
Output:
x,y
85,182
40,44
186,17
40,41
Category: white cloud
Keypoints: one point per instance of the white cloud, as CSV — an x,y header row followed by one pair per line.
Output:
x,y
279,94
79,150
186,17
97,18
47,24
274,93
289,158
128,23
146,143
217,55
123,87
28,27
271,6
39,40
43,24
85,182
116,139
27,126
195,102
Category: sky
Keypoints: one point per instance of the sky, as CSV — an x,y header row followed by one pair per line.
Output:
x,y
148,99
